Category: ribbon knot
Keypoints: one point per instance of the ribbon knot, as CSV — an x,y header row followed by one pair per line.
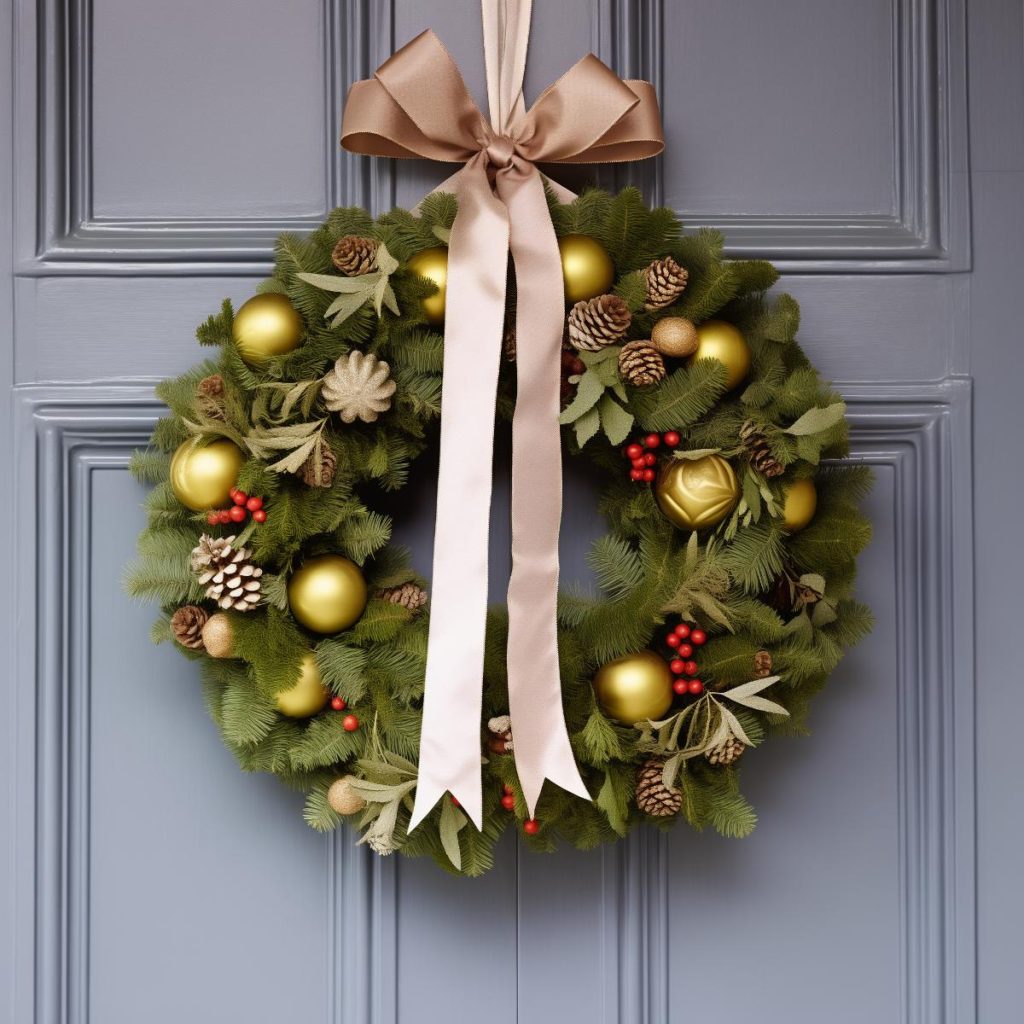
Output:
x,y
417,105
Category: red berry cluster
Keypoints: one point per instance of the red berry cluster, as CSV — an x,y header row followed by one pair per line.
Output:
x,y
572,366
241,508
508,798
682,640
642,459
350,722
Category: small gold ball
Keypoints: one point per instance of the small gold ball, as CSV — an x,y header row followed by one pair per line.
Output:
x,y
719,340
799,502
587,269
433,265
218,636
327,594
674,336
267,325
696,493
342,798
202,475
635,687
307,695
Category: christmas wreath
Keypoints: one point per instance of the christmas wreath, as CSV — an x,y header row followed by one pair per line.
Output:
x,y
726,574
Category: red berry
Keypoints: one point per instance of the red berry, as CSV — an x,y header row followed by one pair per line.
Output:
x,y
239,497
638,463
531,826
685,650
213,518
690,668
237,513
672,439
679,685
652,441
636,474
338,703
634,451
676,666
254,504
682,630
350,723
650,459
695,686
507,789
649,476
508,801
224,516
672,640
698,636
260,515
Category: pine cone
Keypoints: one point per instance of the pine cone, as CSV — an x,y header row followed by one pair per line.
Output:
x,y
318,469
761,457
762,665
354,256
500,741
725,753
359,387
408,595
187,626
210,396
228,573
666,281
596,323
641,364
652,795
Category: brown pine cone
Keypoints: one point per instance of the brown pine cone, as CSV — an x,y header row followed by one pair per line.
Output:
x,y
762,665
641,364
408,595
318,469
187,626
761,457
354,256
666,281
652,795
500,740
210,396
227,572
725,753
599,322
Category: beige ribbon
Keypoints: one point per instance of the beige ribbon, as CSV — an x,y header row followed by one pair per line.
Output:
x,y
417,105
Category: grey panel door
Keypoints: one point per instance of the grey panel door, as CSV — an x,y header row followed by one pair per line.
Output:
x,y
151,152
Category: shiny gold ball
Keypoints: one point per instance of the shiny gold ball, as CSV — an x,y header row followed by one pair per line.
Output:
x,y
587,269
327,594
799,501
433,265
635,687
674,336
267,325
342,798
218,636
307,695
719,340
696,493
202,475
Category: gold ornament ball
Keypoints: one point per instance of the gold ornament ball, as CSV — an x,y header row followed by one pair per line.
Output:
x,y
307,695
343,798
327,594
719,340
799,502
433,265
674,336
587,269
202,475
635,687
218,636
696,493
267,325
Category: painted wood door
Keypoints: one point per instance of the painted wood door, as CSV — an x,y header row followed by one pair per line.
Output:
x,y
151,152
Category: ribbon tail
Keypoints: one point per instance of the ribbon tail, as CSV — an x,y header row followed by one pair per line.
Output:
x,y
542,749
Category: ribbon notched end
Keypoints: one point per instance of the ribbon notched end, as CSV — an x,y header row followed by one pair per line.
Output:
x,y
469,798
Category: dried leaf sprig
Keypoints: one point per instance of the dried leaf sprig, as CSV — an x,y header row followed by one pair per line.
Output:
x,y
355,292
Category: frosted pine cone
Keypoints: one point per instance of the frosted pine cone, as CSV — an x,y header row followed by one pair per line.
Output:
x,y
354,256
227,572
408,595
500,740
652,795
187,626
319,468
641,364
359,387
599,322
762,664
210,396
725,753
666,281
761,457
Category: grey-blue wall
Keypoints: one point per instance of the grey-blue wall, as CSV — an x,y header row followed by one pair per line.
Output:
x,y
151,151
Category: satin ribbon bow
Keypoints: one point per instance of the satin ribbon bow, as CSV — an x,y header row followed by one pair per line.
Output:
x,y
417,105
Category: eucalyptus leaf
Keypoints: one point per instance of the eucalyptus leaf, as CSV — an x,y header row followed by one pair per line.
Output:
x,y
735,727
615,421
453,821
607,800
588,393
587,426
814,421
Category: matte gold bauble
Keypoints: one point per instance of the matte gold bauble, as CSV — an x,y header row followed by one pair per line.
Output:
x,y
587,269
674,336
635,687
307,695
202,475
696,493
218,636
327,594
343,798
433,265
267,325
719,340
799,501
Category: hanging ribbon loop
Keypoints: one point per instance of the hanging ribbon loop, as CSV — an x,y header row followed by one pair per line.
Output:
x,y
417,105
